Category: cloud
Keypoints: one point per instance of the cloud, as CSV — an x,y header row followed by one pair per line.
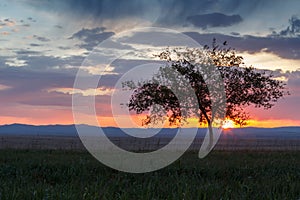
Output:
x,y
21,87
99,9
287,108
91,37
285,43
64,48
38,72
58,26
23,80
293,29
43,62
214,20
283,47
172,12
235,33
35,45
27,52
42,39
31,19
294,80
5,33
4,87
15,62
30,87
87,92
8,22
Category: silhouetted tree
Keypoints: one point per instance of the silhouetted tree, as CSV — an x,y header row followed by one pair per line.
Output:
x,y
243,86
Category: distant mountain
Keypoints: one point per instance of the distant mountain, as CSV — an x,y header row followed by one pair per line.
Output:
x,y
253,132
24,129
70,130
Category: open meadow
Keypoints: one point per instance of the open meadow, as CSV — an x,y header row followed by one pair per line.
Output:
x,y
65,174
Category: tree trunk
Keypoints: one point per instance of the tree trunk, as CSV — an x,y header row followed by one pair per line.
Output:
x,y
211,137
210,129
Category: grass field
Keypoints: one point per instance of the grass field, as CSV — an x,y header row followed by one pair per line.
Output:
x,y
221,175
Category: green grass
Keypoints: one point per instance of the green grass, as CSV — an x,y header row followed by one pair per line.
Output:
x,y
221,175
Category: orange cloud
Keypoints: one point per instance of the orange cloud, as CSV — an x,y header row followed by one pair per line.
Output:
x,y
4,87
87,92
273,123
5,33
10,23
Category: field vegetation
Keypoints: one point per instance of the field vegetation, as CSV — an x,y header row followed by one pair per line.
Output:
x,y
45,174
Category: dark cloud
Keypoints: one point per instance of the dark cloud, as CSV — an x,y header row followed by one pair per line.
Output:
x,y
24,24
35,45
161,13
31,19
116,45
42,62
284,44
283,47
36,87
214,20
42,39
31,87
27,52
100,9
4,22
47,98
23,80
58,26
36,61
3,60
91,37
172,12
64,48
124,65
294,80
158,38
235,33
293,29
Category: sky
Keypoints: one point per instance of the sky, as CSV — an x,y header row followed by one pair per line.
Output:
x,y
45,43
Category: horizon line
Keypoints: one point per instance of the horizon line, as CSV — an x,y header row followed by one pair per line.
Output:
x,y
145,127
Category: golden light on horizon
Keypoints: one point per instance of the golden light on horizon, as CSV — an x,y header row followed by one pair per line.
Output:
x,y
65,117
228,124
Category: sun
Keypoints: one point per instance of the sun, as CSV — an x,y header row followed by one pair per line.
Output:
x,y
228,124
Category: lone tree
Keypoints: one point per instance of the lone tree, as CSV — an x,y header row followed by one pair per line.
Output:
x,y
243,86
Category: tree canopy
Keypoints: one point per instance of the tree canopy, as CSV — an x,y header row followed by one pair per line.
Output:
x,y
243,85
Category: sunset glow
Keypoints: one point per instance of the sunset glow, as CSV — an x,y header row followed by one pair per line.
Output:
x,y
41,53
228,124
